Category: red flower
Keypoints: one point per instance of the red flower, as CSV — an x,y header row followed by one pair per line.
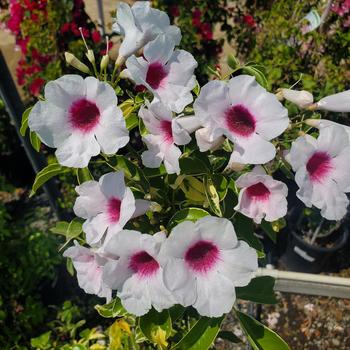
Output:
x,y
22,43
206,31
42,59
20,73
196,17
249,21
16,16
34,17
36,85
174,10
96,36
197,13
86,32
75,30
33,69
341,8
65,28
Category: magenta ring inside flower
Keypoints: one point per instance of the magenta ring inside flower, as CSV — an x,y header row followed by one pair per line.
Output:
x,y
240,121
202,256
318,166
143,264
84,115
167,130
113,209
156,74
258,192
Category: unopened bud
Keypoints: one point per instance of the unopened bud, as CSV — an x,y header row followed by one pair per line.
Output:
x,y
74,62
120,61
233,166
301,98
315,123
90,56
301,133
155,207
312,107
104,62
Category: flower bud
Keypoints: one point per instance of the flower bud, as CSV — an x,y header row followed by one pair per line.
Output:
x,y
335,103
301,98
234,166
120,61
74,62
90,56
315,123
104,62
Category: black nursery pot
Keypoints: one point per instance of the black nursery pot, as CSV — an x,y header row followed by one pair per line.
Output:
x,y
301,256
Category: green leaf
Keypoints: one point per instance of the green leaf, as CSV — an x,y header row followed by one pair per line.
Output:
x,y
69,266
46,174
153,320
260,337
259,76
35,141
230,201
176,312
155,172
197,89
74,229
70,230
24,125
142,128
201,336
132,121
212,196
221,185
232,61
245,230
267,228
190,214
112,309
132,171
60,228
259,290
83,175
230,336
41,342
193,166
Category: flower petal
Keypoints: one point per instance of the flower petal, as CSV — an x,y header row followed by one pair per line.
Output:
x,y
77,150
91,200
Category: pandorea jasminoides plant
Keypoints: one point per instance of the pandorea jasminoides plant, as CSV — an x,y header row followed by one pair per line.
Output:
x,y
166,186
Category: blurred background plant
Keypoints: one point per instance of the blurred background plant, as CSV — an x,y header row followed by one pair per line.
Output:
x,y
275,36
44,30
205,25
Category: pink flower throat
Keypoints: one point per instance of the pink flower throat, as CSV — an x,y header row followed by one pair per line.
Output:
x,y
318,166
143,264
258,192
113,209
167,130
202,256
84,115
156,74
240,121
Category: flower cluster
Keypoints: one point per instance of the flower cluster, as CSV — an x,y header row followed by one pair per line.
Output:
x,y
206,258
200,262
342,9
41,34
